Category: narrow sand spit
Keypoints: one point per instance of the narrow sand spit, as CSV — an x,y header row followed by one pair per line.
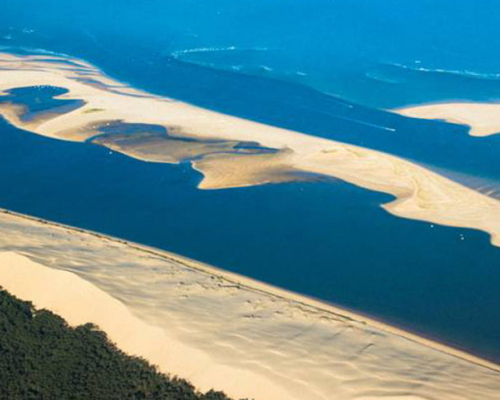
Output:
x,y
482,118
224,331
230,151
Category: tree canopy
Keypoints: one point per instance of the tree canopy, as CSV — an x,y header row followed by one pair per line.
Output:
x,y
42,357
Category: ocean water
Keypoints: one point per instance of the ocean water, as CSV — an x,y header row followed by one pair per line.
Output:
x,y
338,46
329,68
447,148
329,240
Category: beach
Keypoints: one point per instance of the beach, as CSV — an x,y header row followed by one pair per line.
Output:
x,y
224,331
230,151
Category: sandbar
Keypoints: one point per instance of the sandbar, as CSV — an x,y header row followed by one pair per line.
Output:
x,y
217,144
482,118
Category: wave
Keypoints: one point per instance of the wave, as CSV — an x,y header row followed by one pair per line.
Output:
x,y
465,73
380,78
216,49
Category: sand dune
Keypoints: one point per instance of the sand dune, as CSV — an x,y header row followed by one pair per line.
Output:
x,y
224,331
482,118
229,151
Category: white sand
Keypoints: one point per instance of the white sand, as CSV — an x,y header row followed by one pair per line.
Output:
x,y
482,118
224,331
421,194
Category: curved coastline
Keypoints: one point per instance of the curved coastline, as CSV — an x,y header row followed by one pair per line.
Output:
x,y
218,145
482,118
363,330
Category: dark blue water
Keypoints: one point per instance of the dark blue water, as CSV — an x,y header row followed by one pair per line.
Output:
x,y
329,240
39,101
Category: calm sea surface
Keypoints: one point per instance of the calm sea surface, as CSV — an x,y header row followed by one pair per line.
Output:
x,y
327,68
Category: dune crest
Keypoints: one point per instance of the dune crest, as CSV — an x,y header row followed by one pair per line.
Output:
x,y
224,331
229,151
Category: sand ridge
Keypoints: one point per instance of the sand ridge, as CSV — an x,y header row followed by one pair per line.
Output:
x,y
224,331
233,152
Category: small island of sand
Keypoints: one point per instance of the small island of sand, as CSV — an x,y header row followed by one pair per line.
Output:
x,y
482,118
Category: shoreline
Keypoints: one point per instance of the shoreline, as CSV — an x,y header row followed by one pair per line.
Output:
x,y
482,118
282,293
224,331
217,145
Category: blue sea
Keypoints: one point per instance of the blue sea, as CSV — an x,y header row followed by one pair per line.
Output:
x,y
330,68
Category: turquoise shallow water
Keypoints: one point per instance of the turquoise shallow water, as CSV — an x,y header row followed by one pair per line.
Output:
x,y
327,68
344,47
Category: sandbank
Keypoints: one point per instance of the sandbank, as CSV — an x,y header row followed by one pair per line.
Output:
x,y
482,118
213,143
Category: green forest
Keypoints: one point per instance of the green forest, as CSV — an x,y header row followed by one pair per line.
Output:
x,y
42,357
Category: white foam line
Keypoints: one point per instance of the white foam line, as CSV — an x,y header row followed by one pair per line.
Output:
x,y
216,49
465,72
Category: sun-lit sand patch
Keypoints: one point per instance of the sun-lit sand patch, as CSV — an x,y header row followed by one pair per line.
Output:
x,y
217,145
227,171
224,331
482,118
